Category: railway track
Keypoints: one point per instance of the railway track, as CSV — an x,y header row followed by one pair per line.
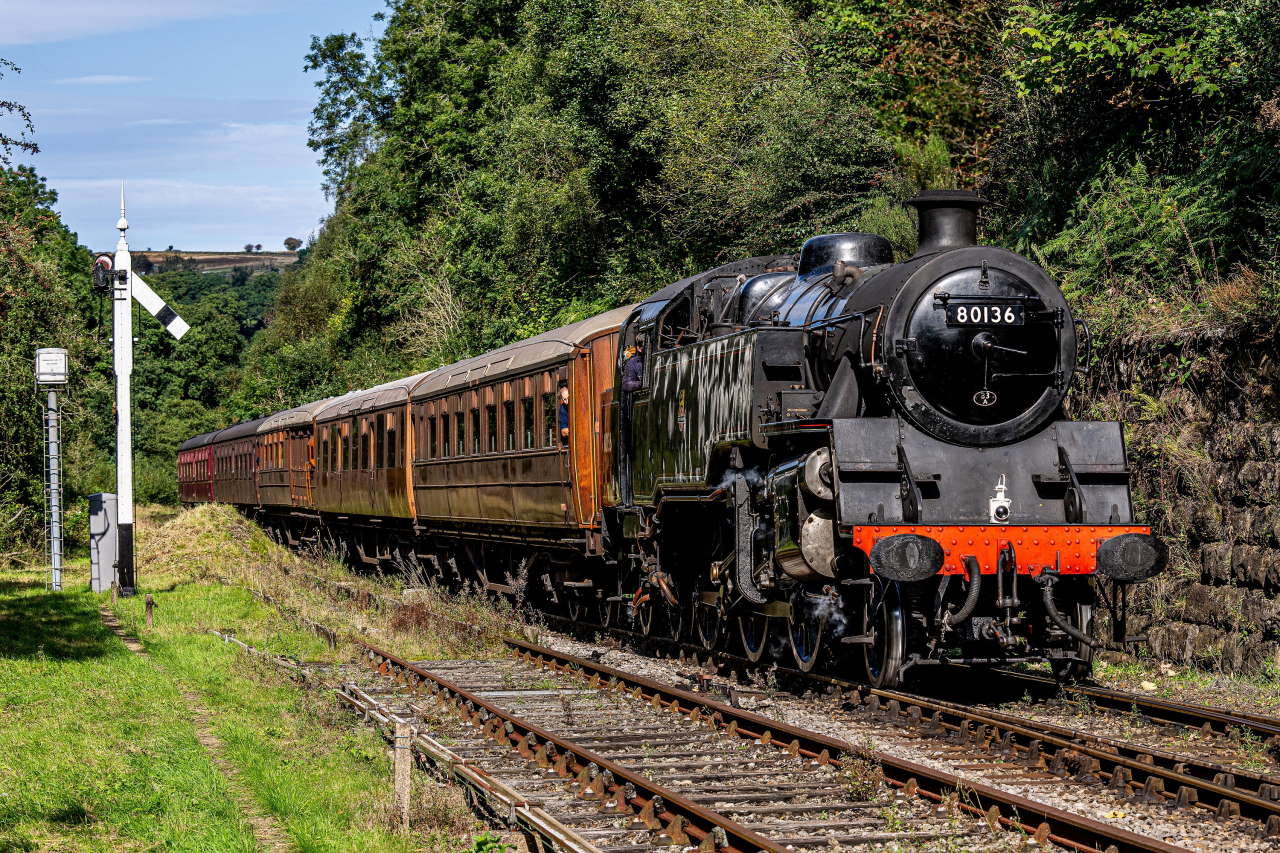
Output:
x,y
624,773
1140,772
726,778
1030,749
1157,710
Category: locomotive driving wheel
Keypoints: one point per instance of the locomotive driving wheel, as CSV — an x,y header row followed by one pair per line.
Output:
x,y
656,616
886,631
708,619
753,632
807,630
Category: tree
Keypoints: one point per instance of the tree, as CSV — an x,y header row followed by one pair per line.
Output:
x,y
292,244
23,141
257,247
248,247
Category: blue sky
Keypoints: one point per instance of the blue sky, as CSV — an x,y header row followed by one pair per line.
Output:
x,y
200,106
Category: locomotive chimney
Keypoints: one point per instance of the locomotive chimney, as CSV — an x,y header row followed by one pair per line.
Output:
x,y
948,219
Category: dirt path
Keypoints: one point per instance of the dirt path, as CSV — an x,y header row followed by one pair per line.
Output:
x,y
266,831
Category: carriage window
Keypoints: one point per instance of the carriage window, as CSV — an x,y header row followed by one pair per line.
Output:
x,y
491,421
379,428
393,429
366,443
347,453
432,446
550,417
475,430
444,436
527,405
460,430
509,417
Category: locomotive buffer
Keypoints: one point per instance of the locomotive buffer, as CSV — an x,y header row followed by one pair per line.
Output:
x,y
125,285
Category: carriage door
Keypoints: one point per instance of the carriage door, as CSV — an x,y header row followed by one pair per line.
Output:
x,y
583,427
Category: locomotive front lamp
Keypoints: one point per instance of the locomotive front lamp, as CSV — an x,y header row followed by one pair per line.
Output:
x,y
51,366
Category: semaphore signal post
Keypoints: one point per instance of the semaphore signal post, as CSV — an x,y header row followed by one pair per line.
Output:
x,y
125,286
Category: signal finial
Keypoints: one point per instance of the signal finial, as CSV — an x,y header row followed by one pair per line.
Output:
x,y
122,224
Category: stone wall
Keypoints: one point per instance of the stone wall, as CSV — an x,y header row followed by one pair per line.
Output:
x,y
1204,438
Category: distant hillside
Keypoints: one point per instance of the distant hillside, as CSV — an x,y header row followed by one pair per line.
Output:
x,y
211,261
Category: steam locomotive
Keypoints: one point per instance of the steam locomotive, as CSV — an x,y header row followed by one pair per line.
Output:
x,y
829,457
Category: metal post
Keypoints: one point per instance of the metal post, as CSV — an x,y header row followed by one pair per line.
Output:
x,y
402,781
122,350
51,374
53,427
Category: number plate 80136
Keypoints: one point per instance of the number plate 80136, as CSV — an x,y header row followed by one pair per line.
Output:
x,y
977,314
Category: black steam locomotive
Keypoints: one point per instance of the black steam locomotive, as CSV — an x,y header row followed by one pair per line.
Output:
x,y
874,455
830,454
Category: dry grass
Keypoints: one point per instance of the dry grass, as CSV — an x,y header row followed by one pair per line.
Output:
x,y
863,775
215,543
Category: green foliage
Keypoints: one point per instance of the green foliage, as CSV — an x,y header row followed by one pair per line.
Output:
x,y
1139,52
489,843
1090,88
1142,245
918,166
23,141
179,387
43,299
927,62
528,164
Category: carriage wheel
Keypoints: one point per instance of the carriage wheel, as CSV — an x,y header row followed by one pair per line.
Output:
x,y
806,635
753,631
887,627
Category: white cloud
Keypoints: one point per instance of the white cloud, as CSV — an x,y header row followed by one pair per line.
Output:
x,y
102,80
157,122
239,133
39,21
159,192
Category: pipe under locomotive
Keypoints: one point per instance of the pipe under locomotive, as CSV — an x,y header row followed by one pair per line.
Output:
x,y
837,455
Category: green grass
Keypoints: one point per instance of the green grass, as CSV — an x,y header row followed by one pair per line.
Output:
x,y
97,751
98,747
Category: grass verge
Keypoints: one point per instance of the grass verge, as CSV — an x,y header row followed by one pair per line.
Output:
x,y
97,745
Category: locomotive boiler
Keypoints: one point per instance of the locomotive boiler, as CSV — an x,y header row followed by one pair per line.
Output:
x,y
827,456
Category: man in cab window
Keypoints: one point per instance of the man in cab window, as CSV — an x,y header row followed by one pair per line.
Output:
x,y
564,412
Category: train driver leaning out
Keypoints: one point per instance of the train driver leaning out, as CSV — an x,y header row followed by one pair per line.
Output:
x,y
564,412
633,368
